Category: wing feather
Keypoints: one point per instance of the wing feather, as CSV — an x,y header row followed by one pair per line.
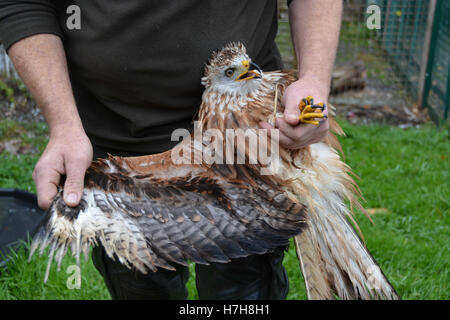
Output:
x,y
149,222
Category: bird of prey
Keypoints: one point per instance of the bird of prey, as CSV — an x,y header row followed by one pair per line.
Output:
x,y
212,204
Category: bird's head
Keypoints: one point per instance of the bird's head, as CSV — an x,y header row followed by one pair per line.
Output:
x,y
231,71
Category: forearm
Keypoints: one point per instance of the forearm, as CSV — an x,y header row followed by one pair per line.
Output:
x,y
315,26
41,62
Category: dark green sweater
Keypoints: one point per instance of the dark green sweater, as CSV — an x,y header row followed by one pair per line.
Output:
x,y
135,65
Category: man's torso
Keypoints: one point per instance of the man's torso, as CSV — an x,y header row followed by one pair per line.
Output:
x,y
136,65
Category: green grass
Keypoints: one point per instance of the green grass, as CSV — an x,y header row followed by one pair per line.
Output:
x,y
405,171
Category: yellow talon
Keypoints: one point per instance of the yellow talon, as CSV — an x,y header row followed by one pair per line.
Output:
x,y
311,115
310,111
314,122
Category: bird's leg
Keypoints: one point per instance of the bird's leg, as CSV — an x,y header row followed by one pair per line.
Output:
x,y
309,111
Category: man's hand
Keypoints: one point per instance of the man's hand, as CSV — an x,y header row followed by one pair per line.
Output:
x,y
294,135
69,152
315,46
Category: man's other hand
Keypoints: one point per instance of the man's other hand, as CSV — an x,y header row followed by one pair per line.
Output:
x,y
68,152
295,135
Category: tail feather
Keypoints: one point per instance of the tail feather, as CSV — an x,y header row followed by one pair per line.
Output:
x,y
335,262
312,266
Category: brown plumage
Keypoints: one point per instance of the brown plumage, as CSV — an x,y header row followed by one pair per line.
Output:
x,y
156,211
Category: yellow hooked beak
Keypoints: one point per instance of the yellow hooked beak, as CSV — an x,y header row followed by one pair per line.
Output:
x,y
251,71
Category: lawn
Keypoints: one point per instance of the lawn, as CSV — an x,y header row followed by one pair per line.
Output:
x,y
402,170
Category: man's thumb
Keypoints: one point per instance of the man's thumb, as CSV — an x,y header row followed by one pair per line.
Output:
x,y
291,110
73,187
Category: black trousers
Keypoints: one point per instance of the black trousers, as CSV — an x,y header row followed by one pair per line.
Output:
x,y
257,277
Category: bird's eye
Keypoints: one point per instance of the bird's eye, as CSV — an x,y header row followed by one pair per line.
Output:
x,y
229,72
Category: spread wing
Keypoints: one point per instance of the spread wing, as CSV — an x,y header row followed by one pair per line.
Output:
x,y
162,215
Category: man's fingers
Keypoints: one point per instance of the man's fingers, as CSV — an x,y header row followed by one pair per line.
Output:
x,y
282,138
286,141
46,180
293,132
301,135
265,125
74,184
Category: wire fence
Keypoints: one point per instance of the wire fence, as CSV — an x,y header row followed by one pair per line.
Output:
x,y
6,66
392,53
437,85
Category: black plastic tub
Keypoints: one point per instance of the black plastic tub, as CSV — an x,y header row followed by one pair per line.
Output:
x,y
19,219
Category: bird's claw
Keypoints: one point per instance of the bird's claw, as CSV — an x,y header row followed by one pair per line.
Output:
x,y
310,111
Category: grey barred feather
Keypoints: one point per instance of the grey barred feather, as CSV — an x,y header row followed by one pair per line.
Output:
x,y
151,223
